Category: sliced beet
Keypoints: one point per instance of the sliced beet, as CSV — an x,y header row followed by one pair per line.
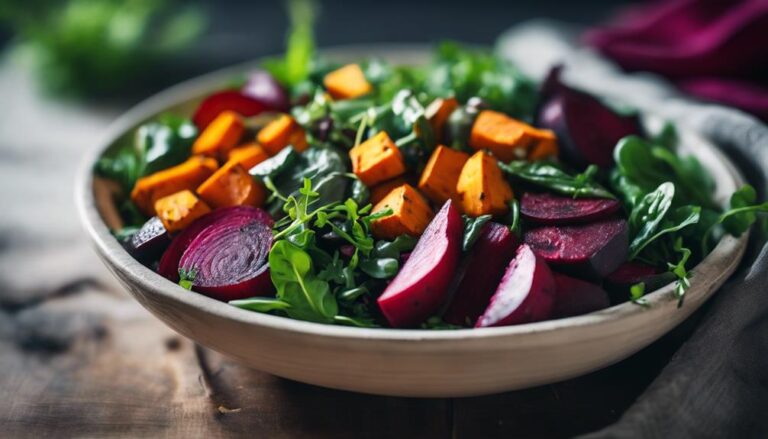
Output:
x,y
575,296
525,294
587,251
630,273
149,242
587,130
546,208
483,267
228,100
228,258
169,262
421,285
263,87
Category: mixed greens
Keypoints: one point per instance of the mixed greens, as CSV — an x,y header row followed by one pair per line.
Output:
x,y
457,193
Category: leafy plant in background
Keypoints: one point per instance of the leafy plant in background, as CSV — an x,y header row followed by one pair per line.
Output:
x,y
88,47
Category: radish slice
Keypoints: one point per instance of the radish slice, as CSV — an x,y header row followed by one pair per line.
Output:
x,y
484,266
549,209
421,286
169,262
591,250
575,297
229,259
525,294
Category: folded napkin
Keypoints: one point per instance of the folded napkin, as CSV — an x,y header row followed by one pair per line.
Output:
x,y
716,385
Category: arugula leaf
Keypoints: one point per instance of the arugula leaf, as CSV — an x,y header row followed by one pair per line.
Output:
x,y
261,304
187,278
295,66
550,176
636,293
472,229
513,218
679,270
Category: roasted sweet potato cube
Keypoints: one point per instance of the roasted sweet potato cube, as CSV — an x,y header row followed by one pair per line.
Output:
x,y
544,145
248,155
179,209
347,82
508,139
231,185
280,133
377,159
482,188
438,113
439,178
381,190
220,136
410,214
187,175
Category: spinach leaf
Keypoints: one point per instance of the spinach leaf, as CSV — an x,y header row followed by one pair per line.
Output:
x,y
261,304
472,229
381,268
550,176
275,165
393,249
648,215
742,212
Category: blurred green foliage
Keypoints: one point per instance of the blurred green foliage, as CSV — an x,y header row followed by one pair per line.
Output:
x,y
94,47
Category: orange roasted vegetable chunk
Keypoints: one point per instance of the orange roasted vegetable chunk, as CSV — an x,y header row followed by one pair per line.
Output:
x,y
231,185
410,214
439,178
178,210
508,139
280,133
438,113
381,190
220,136
347,82
482,188
377,159
187,175
248,155
544,146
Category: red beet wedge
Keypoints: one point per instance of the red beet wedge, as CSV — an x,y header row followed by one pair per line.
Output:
x,y
630,273
169,262
551,209
421,286
525,294
586,251
483,267
228,259
228,100
575,296
149,242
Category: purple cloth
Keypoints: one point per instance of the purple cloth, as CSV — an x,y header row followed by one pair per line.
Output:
x,y
716,50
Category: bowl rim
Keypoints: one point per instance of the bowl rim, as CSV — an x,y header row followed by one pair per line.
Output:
x,y
114,253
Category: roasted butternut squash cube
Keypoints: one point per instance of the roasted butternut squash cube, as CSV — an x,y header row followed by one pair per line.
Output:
x,y
438,113
347,82
508,139
439,178
544,146
381,190
376,160
248,155
231,185
220,136
410,214
482,189
187,175
178,210
280,133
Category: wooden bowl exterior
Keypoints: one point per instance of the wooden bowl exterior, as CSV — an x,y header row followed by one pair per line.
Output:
x,y
399,362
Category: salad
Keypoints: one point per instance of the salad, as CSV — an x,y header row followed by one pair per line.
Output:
x,y
454,194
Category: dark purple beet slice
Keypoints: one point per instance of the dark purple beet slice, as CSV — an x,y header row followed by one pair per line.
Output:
x,y
148,243
525,294
228,100
229,259
483,267
421,286
587,130
169,262
264,88
586,251
545,208
575,296
630,273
